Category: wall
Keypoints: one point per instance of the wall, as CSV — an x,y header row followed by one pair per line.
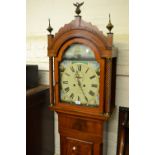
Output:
x,y
61,12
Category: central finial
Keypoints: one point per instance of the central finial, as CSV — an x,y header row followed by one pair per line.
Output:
x,y
78,5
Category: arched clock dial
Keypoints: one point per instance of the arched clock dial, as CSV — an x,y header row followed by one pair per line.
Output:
x,y
80,83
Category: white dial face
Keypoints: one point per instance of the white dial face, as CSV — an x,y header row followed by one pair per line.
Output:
x,y
80,82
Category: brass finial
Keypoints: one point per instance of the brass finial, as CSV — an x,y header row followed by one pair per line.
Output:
x,y
109,26
49,29
78,5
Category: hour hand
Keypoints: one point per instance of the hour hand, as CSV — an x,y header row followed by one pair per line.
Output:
x,y
79,83
77,77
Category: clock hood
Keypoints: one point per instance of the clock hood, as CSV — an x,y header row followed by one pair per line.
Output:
x,y
78,28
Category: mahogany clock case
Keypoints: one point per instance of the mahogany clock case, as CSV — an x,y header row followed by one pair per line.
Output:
x,y
82,127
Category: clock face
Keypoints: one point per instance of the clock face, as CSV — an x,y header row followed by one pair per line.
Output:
x,y
79,78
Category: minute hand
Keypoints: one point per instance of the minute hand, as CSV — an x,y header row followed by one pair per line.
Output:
x,y
79,83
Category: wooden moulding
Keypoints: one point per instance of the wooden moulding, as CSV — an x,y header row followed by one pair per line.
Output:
x,y
103,117
80,29
59,58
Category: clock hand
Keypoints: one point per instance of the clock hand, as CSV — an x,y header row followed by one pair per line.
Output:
x,y
79,83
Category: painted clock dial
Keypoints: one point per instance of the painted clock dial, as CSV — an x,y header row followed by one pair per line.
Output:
x,y
79,76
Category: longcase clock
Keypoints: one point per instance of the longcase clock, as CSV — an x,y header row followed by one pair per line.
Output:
x,y
82,68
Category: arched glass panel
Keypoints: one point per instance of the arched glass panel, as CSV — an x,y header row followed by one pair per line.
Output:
x,y
78,51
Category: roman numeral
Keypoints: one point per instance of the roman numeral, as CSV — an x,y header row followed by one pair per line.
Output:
x,y
65,82
67,74
67,89
87,70
72,96
94,85
91,93
79,67
92,77
72,69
